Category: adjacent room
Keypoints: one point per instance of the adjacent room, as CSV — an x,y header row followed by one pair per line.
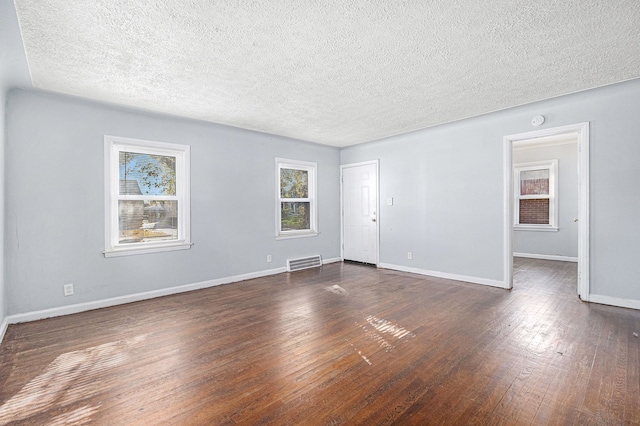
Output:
x,y
319,213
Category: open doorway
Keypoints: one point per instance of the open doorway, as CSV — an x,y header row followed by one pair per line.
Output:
x,y
546,198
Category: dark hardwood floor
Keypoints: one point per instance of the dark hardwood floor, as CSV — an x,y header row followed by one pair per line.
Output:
x,y
342,344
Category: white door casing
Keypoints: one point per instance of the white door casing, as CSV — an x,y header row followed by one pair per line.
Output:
x,y
359,199
581,131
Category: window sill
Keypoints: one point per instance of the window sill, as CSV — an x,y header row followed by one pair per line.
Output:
x,y
130,251
296,235
535,228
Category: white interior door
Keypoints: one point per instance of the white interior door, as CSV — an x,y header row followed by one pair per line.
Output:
x,y
360,212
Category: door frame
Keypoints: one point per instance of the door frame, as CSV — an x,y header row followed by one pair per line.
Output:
x,y
362,163
581,130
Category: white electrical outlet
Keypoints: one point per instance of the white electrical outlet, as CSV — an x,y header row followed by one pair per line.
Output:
x,y
68,289
409,255
268,258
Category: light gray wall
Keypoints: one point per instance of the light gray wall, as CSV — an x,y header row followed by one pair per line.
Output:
x,y
3,304
55,202
565,241
447,184
444,182
13,73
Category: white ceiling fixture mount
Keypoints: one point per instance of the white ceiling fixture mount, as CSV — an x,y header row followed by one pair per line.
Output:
x,y
337,73
537,120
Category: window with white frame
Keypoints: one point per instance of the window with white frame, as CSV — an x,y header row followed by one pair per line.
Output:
x,y
536,200
146,196
296,204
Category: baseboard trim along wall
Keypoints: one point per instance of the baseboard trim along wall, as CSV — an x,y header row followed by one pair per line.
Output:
x,y
474,280
547,257
593,298
614,301
82,307
3,328
88,306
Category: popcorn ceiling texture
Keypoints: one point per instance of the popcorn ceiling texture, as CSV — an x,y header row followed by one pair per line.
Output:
x,y
331,72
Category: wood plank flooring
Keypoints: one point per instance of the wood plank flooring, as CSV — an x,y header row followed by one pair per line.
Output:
x,y
342,344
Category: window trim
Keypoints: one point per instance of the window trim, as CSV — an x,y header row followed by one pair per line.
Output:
x,y
112,146
311,168
552,166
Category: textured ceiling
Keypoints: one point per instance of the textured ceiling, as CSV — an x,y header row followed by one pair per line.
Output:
x,y
334,72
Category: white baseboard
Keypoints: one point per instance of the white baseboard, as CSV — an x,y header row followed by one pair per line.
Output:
x,y
547,257
3,328
82,307
614,301
474,280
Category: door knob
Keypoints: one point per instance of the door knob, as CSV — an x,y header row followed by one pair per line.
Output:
x,y
575,219
373,219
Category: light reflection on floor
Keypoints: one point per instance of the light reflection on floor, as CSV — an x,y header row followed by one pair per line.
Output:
x,y
70,378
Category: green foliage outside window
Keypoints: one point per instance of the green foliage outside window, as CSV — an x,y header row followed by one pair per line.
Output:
x,y
295,216
294,185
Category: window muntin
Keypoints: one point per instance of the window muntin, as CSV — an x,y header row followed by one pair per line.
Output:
x,y
536,198
147,196
296,204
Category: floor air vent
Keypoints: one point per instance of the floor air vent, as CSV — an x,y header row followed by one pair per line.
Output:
x,y
303,263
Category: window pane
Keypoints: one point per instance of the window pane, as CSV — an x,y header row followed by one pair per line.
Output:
x,y
142,221
295,216
147,174
534,182
294,183
534,211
